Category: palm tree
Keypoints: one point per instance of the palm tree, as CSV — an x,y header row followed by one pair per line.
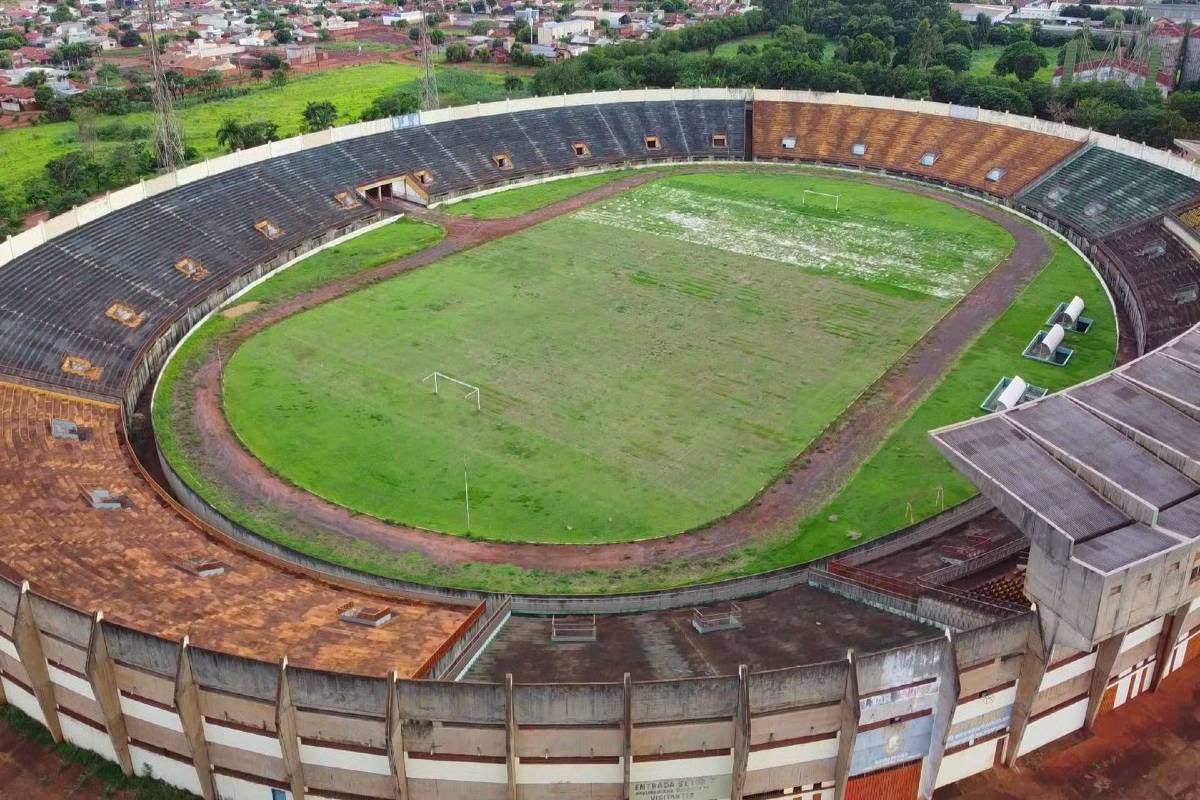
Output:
x,y
230,135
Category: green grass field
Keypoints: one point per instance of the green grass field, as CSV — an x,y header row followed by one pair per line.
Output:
x,y
24,152
730,48
984,59
907,468
522,200
646,364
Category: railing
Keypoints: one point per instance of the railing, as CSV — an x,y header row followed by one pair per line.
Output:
x,y
952,572
573,629
927,529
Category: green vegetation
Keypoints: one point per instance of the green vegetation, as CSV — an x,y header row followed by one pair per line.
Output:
x,y
672,390
92,767
25,152
730,48
522,200
907,468
983,61
995,353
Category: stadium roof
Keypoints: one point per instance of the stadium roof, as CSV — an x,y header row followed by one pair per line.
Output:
x,y
1112,465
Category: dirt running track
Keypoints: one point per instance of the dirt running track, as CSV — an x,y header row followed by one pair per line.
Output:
x,y
811,479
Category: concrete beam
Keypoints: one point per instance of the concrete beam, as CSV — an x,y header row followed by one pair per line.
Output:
x,y
1172,630
627,738
395,740
187,704
943,716
103,678
28,642
1029,681
848,730
289,733
510,736
741,733
1106,655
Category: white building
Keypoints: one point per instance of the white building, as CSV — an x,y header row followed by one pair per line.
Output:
x,y
551,32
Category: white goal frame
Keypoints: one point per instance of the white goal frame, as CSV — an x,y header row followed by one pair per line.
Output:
x,y
837,198
473,391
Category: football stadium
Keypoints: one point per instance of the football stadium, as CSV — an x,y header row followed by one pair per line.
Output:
x,y
657,444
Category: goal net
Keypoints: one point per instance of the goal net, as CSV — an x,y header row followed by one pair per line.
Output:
x,y
438,379
823,199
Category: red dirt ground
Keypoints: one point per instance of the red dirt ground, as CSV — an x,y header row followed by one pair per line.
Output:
x,y
812,479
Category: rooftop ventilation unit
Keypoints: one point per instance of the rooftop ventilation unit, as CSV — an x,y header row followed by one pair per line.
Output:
x,y
268,229
995,174
1155,249
371,616
720,140
858,149
105,500
423,177
928,159
347,200
1057,195
1094,209
1186,295
652,143
64,429
80,367
581,149
119,312
203,566
502,161
789,143
191,268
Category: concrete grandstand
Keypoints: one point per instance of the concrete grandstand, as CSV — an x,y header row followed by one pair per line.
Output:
x,y
153,633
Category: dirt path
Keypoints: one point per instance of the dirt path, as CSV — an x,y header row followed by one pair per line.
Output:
x,y
808,483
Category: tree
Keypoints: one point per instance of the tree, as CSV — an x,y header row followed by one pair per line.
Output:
x,y
480,27
33,79
414,34
108,72
319,116
10,217
866,48
1187,104
62,13
1023,59
130,38
457,53
229,135
256,74
437,36
396,104
926,46
983,29
513,83
956,57
1092,112
279,78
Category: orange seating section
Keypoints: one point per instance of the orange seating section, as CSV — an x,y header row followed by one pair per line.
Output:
x,y
125,562
965,150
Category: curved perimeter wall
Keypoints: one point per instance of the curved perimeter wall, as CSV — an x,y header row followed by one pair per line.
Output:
x,y
228,724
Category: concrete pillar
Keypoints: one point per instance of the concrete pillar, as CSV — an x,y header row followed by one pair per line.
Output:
x,y
1106,655
1033,669
289,733
943,717
187,704
627,738
103,678
741,733
395,740
510,736
28,642
848,731
1172,630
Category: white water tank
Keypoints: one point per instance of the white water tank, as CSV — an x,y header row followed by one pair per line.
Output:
x,y
1010,398
1051,341
1070,314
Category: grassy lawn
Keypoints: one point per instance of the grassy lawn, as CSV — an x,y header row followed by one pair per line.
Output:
x,y
730,48
907,468
984,59
645,364
24,152
514,202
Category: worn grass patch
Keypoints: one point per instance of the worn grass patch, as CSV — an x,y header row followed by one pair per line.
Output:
x,y
643,369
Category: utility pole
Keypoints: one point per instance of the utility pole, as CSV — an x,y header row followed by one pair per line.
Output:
x,y
429,89
168,137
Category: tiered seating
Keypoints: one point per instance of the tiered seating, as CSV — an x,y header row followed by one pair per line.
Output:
x,y
1007,588
964,151
53,300
1164,275
127,562
1100,191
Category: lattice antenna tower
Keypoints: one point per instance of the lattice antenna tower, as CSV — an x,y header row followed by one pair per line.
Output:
x,y
168,136
429,88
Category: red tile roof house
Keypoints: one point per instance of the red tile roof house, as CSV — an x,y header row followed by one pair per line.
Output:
x,y
16,98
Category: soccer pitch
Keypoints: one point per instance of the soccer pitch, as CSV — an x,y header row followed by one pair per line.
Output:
x,y
645,365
